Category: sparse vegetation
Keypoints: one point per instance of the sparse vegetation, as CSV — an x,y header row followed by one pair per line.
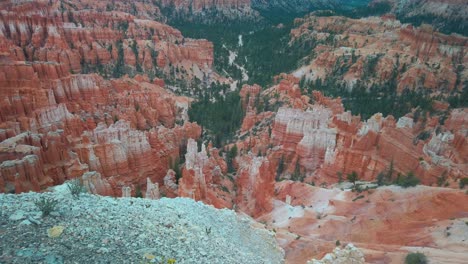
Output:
x,y
46,205
280,168
76,188
416,258
297,174
380,179
175,166
385,177
352,177
340,176
463,182
230,156
405,181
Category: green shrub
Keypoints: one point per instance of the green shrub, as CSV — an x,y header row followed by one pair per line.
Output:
x,y
442,179
415,258
76,188
380,179
410,180
352,177
46,205
230,157
297,175
463,182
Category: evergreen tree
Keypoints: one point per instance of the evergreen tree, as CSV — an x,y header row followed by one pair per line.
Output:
x,y
231,155
280,168
297,175
352,177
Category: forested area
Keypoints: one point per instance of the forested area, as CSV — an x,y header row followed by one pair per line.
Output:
x,y
220,115
267,51
367,98
379,98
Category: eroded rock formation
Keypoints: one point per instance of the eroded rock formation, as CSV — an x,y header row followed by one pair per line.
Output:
x,y
203,177
382,50
57,122
348,255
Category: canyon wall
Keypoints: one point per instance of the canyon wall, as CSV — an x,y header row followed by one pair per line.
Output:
x,y
381,50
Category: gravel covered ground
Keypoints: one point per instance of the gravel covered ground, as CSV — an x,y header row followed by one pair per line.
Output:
x,y
128,230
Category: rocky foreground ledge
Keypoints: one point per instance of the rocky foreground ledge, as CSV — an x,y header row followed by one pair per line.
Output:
x,y
97,229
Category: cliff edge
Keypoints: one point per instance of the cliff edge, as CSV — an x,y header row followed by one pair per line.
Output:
x,y
98,229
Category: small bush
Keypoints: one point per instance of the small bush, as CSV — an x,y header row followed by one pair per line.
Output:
x,y
416,258
463,182
76,188
442,180
46,205
410,180
380,179
352,177
423,135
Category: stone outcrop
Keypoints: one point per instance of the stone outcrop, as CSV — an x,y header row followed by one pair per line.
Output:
x,y
250,95
348,255
95,184
255,186
152,190
230,238
306,134
203,177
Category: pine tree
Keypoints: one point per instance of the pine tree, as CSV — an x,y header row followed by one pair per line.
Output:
x,y
280,168
231,155
352,177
